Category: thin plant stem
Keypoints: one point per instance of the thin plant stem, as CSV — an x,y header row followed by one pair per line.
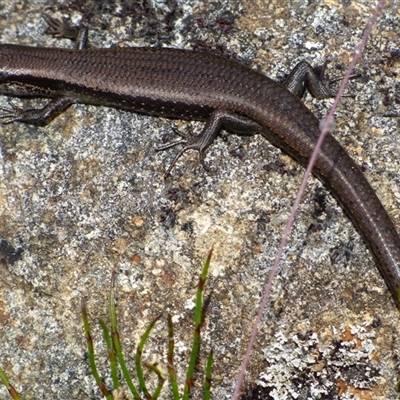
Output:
x,y
117,342
161,380
90,347
327,123
111,354
8,385
138,357
170,359
197,327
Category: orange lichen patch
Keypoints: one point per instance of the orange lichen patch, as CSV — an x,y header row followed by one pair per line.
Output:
x,y
362,394
138,221
120,246
355,149
347,336
342,387
374,356
136,259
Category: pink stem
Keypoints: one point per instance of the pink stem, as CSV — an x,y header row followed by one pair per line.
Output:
x,y
325,128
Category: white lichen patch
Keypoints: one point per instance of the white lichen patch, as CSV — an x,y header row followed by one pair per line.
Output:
x,y
312,365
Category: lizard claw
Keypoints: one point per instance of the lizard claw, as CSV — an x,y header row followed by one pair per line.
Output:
x,y
190,142
12,113
64,29
60,28
194,146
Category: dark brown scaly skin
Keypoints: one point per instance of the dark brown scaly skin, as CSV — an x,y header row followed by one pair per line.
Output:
x,y
191,85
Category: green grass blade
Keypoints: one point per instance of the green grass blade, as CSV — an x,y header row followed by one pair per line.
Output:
x,y
170,359
90,347
138,357
9,387
124,369
161,380
116,341
113,314
111,354
207,380
197,327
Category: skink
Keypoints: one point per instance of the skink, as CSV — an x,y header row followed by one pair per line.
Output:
x,y
200,86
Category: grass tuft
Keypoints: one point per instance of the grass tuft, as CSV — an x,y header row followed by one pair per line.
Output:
x,y
116,357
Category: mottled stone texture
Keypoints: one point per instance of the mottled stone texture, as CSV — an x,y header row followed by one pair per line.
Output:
x,y
86,195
